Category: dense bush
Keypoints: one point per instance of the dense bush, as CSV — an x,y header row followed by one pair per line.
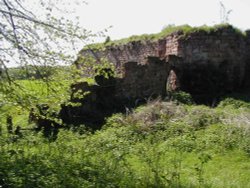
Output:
x,y
160,144
182,97
234,103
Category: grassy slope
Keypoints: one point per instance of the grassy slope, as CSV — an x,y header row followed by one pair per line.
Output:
x,y
158,145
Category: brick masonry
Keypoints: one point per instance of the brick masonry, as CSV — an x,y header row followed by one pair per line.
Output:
x,y
207,65
224,52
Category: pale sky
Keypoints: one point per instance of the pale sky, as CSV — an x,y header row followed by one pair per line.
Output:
x,y
134,17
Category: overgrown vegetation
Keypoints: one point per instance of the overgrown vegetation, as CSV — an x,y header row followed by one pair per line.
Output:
x,y
160,144
38,38
184,30
34,72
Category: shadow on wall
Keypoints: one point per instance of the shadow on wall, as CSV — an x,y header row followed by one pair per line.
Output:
x,y
113,95
205,81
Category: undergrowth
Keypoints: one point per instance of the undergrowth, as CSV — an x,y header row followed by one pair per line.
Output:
x,y
161,144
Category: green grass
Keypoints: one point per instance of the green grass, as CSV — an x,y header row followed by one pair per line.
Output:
x,y
25,94
161,144
184,29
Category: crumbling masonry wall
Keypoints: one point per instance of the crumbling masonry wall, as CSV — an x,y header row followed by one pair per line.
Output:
x,y
218,58
247,51
205,64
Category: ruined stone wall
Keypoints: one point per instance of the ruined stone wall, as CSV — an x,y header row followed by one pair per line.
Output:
x,y
142,81
223,50
248,43
247,53
136,51
212,63
172,44
215,47
207,65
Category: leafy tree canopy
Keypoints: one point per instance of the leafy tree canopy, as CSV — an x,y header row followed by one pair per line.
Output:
x,y
34,35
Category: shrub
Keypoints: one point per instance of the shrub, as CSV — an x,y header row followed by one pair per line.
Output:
x,y
182,97
234,103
